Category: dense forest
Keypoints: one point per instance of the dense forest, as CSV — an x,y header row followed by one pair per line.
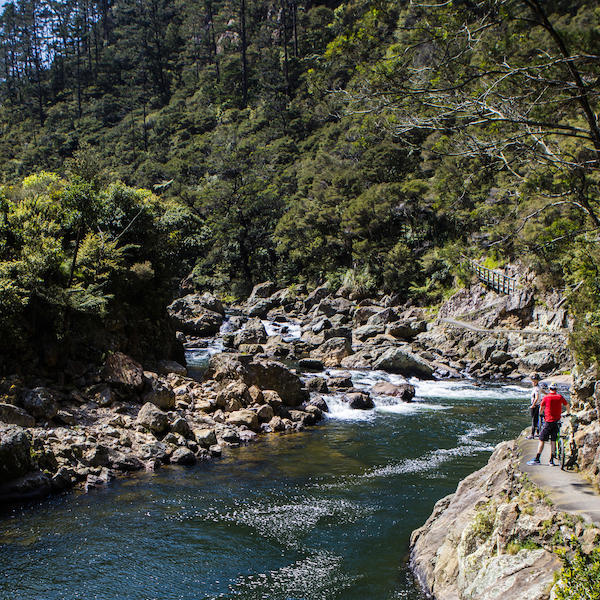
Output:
x,y
372,143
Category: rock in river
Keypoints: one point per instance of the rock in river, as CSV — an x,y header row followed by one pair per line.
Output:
x,y
404,391
401,360
358,400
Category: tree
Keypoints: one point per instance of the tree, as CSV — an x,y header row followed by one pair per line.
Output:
x,y
501,80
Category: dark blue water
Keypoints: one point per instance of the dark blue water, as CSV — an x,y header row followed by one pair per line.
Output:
x,y
324,514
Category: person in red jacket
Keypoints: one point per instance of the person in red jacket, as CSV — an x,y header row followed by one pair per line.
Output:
x,y
551,405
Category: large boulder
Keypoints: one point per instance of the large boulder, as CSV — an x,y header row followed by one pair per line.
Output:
x,y
363,313
153,419
227,366
383,317
15,452
316,296
406,329
123,372
182,427
272,375
344,332
261,291
234,396
196,314
183,456
332,351
403,361
40,403
365,332
14,415
205,437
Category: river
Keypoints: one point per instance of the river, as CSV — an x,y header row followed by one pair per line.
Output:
x,y
320,515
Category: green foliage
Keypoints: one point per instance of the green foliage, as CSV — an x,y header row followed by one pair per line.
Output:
x,y
307,173
579,578
515,546
73,254
483,523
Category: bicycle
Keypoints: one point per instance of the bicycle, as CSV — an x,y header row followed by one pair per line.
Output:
x,y
558,450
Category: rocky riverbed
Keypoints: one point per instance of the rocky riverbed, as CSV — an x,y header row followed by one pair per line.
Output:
x,y
267,375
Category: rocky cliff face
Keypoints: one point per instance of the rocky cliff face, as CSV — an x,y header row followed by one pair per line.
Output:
x,y
495,537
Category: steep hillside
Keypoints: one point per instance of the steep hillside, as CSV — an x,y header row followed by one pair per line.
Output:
x,y
375,143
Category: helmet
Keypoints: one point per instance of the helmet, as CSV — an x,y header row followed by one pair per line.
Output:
x,y
534,377
553,386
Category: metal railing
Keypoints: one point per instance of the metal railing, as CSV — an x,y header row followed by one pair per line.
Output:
x,y
499,282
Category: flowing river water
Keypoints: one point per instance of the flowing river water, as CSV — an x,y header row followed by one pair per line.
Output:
x,y
324,514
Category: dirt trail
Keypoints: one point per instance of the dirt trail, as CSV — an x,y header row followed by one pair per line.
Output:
x,y
567,489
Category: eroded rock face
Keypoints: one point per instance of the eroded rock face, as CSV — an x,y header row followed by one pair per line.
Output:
x,y
491,539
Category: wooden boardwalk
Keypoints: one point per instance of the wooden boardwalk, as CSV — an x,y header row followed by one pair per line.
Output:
x,y
499,282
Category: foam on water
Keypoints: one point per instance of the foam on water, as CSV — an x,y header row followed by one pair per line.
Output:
x,y
461,390
289,330
199,356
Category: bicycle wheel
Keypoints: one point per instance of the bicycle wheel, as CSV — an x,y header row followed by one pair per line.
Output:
x,y
561,453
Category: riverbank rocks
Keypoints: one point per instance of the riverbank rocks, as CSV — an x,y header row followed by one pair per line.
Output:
x,y
153,419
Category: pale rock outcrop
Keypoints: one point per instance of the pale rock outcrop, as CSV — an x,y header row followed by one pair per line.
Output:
x,y
493,539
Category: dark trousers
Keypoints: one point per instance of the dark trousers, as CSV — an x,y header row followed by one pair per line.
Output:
x,y
535,419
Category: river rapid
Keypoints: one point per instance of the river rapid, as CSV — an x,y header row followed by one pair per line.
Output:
x,y
319,515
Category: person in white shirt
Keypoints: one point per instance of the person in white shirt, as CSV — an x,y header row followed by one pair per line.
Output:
x,y
534,407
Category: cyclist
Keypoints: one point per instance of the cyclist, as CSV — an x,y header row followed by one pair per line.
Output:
x,y
551,405
534,408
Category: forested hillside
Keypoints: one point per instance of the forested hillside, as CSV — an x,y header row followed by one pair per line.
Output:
x,y
374,143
